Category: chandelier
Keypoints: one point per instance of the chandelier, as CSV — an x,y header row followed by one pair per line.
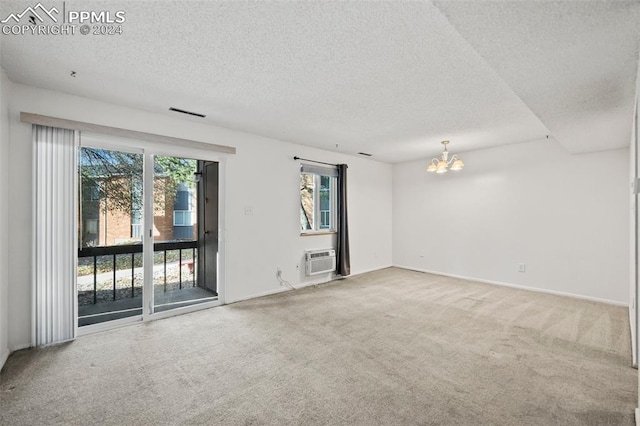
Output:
x,y
443,164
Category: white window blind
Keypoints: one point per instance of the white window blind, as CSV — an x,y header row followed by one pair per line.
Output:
x,y
319,170
55,233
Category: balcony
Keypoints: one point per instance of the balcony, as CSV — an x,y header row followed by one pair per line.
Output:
x,y
110,280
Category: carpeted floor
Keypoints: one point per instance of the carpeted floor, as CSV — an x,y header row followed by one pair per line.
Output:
x,y
389,347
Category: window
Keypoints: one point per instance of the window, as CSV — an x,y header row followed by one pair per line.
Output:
x,y
183,213
136,224
91,226
95,193
317,199
183,218
136,207
91,192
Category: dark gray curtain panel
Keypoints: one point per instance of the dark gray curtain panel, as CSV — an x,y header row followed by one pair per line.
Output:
x,y
343,260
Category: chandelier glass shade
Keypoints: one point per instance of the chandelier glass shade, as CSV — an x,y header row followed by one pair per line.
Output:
x,y
444,164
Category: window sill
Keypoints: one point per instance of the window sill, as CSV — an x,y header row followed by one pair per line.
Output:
x,y
311,234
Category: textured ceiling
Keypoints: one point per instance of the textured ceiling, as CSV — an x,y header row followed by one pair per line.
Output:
x,y
388,78
573,63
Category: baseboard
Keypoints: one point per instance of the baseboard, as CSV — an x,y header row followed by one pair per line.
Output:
x,y
520,287
278,290
3,358
302,285
7,352
256,295
20,347
366,271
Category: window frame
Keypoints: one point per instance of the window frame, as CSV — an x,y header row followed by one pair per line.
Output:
x,y
318,173
184,214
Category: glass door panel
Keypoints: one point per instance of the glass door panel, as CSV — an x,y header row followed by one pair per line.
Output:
x,y
178,235
109,271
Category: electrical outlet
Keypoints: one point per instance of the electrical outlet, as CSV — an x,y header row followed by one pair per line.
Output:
x,y
522,267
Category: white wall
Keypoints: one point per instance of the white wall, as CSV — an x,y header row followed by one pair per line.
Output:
x,y
564,216
4,210
262,175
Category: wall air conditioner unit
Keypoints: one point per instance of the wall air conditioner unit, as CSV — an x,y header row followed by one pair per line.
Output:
x,y
320,261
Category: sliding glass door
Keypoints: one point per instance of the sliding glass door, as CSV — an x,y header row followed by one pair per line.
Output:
x,y
179,275
126,268
110,274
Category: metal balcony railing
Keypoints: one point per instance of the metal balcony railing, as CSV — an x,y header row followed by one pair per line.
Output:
x,y
133,249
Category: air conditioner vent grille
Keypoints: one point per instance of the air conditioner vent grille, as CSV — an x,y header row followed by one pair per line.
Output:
x,y
320,261
321,254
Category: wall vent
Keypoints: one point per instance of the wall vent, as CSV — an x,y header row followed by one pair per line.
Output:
x,y
182,111
320,261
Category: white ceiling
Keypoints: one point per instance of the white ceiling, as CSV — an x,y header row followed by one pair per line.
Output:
x,y
389,78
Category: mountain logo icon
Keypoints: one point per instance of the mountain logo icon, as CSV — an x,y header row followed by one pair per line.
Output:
x,y
35,13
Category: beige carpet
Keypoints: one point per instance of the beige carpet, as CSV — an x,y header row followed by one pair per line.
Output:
x,y
390,347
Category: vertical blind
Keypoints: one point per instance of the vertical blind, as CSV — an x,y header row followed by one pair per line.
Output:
x,y
54,233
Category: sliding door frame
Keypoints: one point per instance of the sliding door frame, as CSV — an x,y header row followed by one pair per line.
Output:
x,y
108,325
150,150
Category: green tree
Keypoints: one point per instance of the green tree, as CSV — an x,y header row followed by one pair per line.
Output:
x,y
117,177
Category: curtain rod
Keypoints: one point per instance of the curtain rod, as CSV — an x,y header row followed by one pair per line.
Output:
x,y
314,161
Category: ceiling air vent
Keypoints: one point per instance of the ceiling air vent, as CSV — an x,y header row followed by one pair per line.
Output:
x,y
365,154
187,112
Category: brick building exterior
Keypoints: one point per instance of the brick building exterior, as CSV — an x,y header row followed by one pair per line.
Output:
x,y
103,225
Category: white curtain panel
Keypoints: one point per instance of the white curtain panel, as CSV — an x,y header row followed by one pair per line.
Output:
x,y
55,234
